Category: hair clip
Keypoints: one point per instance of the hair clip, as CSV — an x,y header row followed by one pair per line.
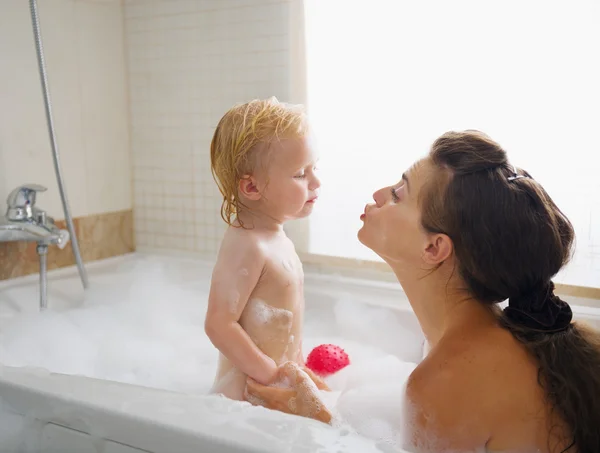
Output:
x,y
515,175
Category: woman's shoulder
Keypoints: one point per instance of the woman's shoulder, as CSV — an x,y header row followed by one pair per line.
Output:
x,y
442,397
451,375
475,363
469,385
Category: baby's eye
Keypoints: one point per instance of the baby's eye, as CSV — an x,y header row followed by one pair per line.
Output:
x,y
300,176
394,194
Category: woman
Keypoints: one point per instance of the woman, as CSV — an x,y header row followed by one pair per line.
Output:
x,y
462,231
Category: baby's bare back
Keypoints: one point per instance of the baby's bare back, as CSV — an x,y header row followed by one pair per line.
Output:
x,y
273,314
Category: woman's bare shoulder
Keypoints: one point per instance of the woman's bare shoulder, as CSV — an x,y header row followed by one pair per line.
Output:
x,y
474,364
441,403
466,385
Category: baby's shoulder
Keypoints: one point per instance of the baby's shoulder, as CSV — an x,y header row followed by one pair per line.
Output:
x,y
240,249
242,240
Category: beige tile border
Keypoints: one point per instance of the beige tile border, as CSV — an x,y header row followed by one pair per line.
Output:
x,y
100,236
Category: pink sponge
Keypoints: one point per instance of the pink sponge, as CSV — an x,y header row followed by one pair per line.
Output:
x,y
327,359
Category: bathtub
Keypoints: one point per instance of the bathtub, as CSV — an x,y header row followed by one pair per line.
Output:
x,y
137,404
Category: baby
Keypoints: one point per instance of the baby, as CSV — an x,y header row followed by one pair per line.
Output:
x,y
264,165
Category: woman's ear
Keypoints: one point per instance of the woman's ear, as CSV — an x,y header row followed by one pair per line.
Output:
x,y
438,250
248,188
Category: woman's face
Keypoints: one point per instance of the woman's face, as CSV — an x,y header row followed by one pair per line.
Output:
x,y
392,225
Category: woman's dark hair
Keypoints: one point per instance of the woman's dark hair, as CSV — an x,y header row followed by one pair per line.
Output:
x,y
510,240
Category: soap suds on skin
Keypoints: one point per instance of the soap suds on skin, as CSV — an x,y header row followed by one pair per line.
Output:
x,y
289,345
264,313
287,265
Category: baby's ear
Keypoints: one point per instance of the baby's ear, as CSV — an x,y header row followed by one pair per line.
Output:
x,y
248,188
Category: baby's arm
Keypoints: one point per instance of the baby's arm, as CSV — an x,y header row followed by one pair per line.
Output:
x,y
238,268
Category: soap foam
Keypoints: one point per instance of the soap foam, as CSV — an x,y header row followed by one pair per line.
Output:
x,y
264,313
146,328
287,265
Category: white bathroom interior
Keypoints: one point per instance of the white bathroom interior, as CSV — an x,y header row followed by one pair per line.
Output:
x,y
137,88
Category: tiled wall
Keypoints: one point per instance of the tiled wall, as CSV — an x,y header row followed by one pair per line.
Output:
x,y
84,46
189,61
85,56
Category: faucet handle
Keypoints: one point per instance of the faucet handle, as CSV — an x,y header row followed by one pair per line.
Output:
x,y
21,201
23,195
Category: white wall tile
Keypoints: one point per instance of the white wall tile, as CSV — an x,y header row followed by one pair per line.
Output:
x,y
84,51
189,61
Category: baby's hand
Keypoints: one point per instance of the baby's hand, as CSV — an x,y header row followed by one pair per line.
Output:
x,y
320,383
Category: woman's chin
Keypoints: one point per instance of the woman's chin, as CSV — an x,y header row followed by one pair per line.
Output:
x,y
365,240
360,234
363,237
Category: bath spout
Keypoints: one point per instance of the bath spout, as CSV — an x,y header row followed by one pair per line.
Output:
x,y
47,234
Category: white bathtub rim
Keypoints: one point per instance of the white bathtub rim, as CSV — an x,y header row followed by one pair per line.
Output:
x,y
391,294
100,421
87,407
333,282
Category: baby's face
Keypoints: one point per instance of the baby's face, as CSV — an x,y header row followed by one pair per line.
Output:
x,y
292,187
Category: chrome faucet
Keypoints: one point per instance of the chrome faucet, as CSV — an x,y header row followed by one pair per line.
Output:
x,y
24,221
21,202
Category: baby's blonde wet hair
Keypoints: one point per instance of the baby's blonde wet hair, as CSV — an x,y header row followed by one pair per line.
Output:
x,y
241,143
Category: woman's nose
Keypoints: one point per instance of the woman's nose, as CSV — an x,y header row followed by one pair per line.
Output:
x,y
379,197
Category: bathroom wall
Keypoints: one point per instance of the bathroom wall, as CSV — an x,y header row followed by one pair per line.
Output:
x,y
189,61
85,54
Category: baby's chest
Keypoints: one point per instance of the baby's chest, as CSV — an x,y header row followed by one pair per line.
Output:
x,y
283,280
278,300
